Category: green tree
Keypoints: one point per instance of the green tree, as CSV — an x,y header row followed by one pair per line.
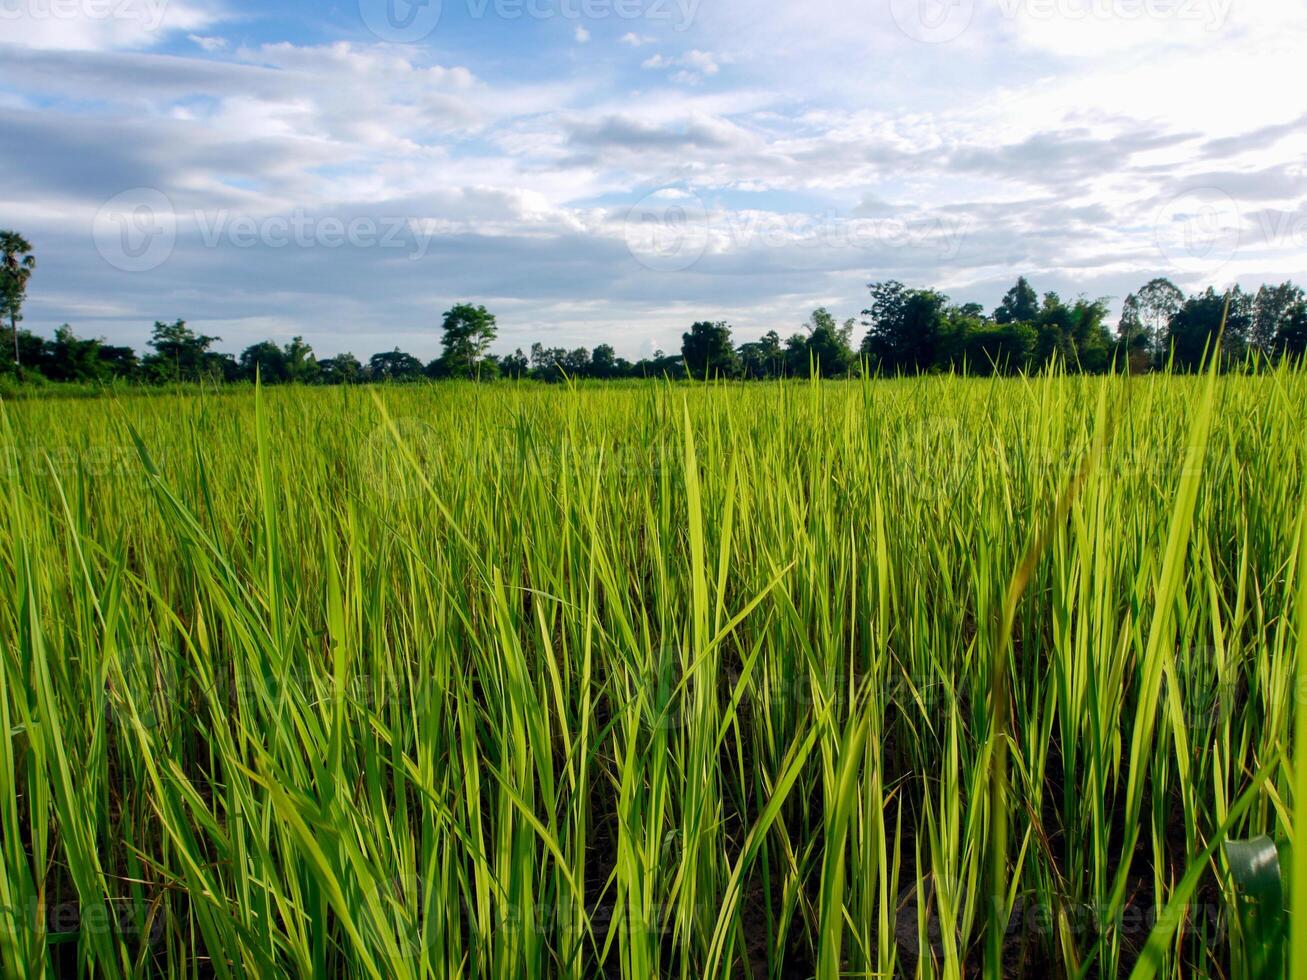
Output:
x,y
1054,323
488,368
1019,305
796,361
119,362
1291,341
1238,324
218,367
343,369
69,358
1158,300
266,361
547,362
514,365
180,354
830,348
762,358
1090,335
394,366
1131,331
1273,308
1002,348
603,362
772,353
971,338
576,362
31,350
707,350
16,266
904,326
1194,328
301,366
468,332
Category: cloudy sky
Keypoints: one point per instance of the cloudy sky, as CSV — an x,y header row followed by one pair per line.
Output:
x,y
611,170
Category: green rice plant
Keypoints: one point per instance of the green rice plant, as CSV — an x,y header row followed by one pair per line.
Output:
x,y
942,676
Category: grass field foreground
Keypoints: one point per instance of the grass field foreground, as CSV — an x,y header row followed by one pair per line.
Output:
x,y
913,677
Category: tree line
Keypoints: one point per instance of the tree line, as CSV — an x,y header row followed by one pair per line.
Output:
x,y
905,331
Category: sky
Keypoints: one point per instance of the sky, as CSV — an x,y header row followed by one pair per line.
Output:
x,y
610,171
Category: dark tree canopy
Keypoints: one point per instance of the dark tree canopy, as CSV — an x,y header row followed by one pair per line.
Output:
x,y
1131,332
395,366
267,360
180,354
1274,310
1194,329
69,358
603,362
829,344
341,369
904,327
1292,337
1158,300
514,365
762,358
16,266
707,350
1020,305
909,330
468,332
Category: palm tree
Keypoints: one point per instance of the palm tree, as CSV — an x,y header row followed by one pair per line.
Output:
x,y
16,265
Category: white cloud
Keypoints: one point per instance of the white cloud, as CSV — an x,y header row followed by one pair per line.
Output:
x,y
121,24
694,66
210,44
835,148
1077,28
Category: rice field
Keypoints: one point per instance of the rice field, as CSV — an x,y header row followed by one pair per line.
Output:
x,y
924,677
